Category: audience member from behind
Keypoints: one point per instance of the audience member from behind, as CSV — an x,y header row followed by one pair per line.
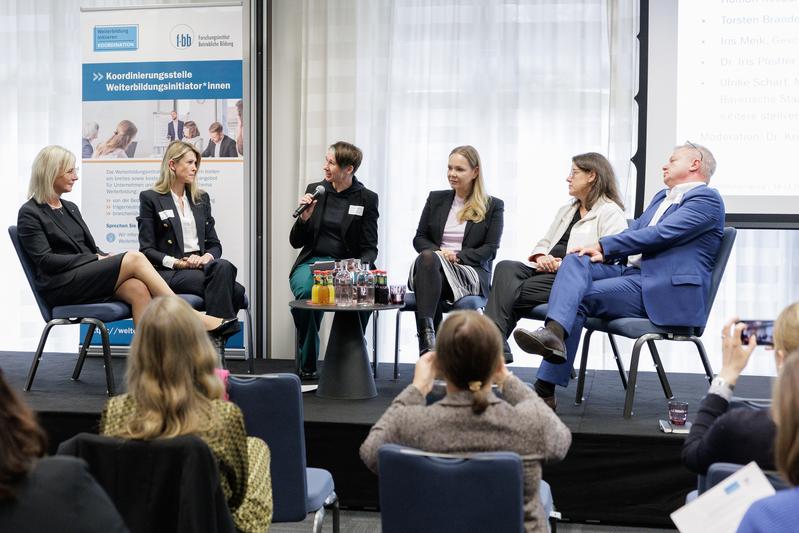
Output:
x,y
738,435
45,493
780,513
173,391
114,148
471,418
90,130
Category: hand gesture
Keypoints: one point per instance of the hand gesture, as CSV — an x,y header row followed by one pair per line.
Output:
x,y
734,354
449,255
307,198
594,252
548,263
425,373
197,261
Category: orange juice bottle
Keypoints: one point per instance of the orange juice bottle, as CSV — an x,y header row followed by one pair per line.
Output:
x,y
324,293
317,285
331,287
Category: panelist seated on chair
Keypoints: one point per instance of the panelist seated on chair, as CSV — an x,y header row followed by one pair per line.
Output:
x,y
664,275
69,267
723,435
457,240
471,418
177,233
779,513
596,210
40,493
341,224
173,391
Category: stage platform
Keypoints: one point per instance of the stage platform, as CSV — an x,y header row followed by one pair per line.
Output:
x,y
617,471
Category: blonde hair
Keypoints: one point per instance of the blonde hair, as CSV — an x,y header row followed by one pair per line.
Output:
x,y
175,152
785,412
476,205
786,329
468,352
122,137
51,162
170,373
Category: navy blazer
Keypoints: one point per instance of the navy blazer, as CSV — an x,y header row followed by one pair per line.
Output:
x,y
161,237
53,251
678,255
170,131
359,232
480,241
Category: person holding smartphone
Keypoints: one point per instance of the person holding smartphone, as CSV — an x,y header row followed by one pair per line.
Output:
x,y
719,434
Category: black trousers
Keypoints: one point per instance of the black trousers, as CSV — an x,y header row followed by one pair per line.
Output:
x,y
430,286
516,289
215,283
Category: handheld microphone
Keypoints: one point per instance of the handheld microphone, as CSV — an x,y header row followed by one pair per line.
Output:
x,y
318,193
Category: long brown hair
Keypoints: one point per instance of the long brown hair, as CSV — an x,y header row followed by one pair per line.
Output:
x,y
785,411
170,372
605,182
122,137
22,441
476,205
468,351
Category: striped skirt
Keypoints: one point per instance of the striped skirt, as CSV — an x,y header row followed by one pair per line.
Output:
x,y
462,279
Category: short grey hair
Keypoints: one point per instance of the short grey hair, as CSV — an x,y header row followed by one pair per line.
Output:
x,y
707,167
50,162
90,129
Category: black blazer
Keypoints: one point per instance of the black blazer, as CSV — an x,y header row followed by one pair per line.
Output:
x,y
54,253
480,241
161,237
228,148
358,232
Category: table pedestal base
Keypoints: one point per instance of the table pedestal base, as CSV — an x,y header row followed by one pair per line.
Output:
x,y
346,373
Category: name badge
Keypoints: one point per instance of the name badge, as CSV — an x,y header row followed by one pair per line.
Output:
x,y
356,210
166,213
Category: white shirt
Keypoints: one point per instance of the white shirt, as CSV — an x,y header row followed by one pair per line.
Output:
x,y
217,147
191,242
674,196
454,230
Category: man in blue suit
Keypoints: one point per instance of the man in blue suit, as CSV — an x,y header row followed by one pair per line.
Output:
x,y
174,130
662,272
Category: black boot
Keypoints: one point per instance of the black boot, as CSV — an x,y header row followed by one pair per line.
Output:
x,y
427,335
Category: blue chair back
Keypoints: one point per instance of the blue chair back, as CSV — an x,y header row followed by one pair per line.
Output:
x,y
27,267
722,257
718,472
423,492
272,408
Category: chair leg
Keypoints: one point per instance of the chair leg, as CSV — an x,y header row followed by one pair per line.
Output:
x,y
83,350
396,344
109,370
664,381
297,358
578,397
249,346
633,376
374,343
619,361
38,355
318,520
703,355
332,503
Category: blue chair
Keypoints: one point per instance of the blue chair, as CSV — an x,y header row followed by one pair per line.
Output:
x,y
95,315
471,303
198,303
431,492
718,472
272,407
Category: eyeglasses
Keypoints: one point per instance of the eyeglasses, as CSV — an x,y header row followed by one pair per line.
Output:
x,y
692,145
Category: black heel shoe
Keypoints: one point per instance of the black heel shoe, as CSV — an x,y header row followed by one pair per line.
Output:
x,y
228,327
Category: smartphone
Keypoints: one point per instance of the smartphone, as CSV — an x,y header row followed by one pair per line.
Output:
x,y
762,330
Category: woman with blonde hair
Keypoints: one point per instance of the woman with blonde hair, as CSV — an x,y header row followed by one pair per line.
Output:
x,y
457,239
114,148
69,267
471,418
173,391
720,434
177,233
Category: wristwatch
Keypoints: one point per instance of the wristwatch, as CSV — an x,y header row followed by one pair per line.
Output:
x,y
721,387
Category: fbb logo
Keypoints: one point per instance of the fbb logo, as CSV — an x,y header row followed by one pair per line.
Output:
x,y
181,36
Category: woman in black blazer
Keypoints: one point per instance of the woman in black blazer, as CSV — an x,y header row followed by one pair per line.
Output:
x,y
69,268
177,234
342,224
457,239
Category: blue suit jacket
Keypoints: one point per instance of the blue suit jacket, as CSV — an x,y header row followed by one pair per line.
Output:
x,y
678,255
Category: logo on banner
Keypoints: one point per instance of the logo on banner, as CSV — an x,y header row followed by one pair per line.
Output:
x,y
116,38
181,36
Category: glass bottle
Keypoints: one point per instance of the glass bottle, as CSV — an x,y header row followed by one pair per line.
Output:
x,y
317,283
344,285
331,287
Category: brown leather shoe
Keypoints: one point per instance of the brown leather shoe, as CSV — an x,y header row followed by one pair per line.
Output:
x,y
551,401
542,342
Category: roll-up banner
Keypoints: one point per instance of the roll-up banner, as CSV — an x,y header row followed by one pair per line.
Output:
x,y
152,75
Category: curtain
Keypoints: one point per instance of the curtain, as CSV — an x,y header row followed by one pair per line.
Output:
x,y
528,83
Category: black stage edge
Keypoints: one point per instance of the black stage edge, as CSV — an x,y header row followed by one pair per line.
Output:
x,y
617,471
